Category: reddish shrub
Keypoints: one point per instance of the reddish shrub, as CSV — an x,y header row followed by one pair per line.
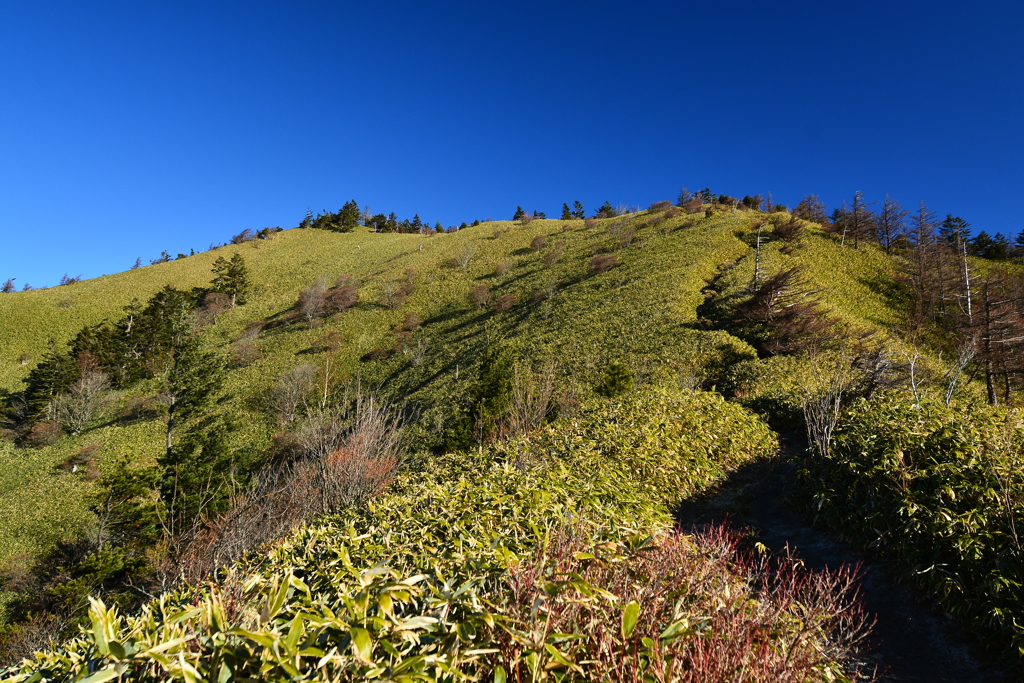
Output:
x,y
44,434
500,269
253,329
328,343
83,461
602,263
537,296
590,222
672,212
244,353
538,242
215,304
480,296
771,620
379,353
411,323
660,206
551,258
505,303
244,236
626,238
341,299
139,407
695,205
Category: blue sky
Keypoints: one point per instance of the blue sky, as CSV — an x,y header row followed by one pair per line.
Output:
x,y
130,128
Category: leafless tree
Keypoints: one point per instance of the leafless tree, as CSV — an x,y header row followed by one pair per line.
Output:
x,y
340,457
290,391
86,397
858,221
312,302
532,395
965,354
464,255
892,223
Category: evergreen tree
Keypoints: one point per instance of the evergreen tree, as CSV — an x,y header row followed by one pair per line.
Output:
x,y
955,231
540,215
577,211
231,278
566,213
348,218
518,215
307,221
606,211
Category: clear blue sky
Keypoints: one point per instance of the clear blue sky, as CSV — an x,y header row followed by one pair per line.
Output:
x,y
127,128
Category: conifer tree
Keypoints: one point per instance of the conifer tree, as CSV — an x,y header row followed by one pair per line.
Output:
x,y
231,277
348,218
577,211
566,213
197,462
518,216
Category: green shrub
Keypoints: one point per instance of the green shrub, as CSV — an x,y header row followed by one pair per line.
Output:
x,y
420,584
617,380
939,489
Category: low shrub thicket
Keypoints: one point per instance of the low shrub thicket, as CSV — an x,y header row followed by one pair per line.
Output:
x,y
941,490
519,561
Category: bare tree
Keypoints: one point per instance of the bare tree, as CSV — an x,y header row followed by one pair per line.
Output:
x,y
290,391
339,458
463,257
532,394
312,302
892,223
832,379
86,397
858,220
926,260
965,354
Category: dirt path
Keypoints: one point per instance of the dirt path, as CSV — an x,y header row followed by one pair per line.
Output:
x,y
912,642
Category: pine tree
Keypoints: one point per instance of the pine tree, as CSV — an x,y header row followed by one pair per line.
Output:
x,y
231,278
347,219
518,216
566,213
577,210
193,382
955,231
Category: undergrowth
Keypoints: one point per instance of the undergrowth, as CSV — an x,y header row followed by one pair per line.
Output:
x,y
520,561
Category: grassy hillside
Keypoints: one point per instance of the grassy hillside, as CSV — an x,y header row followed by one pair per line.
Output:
x,y
641,312
645,304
